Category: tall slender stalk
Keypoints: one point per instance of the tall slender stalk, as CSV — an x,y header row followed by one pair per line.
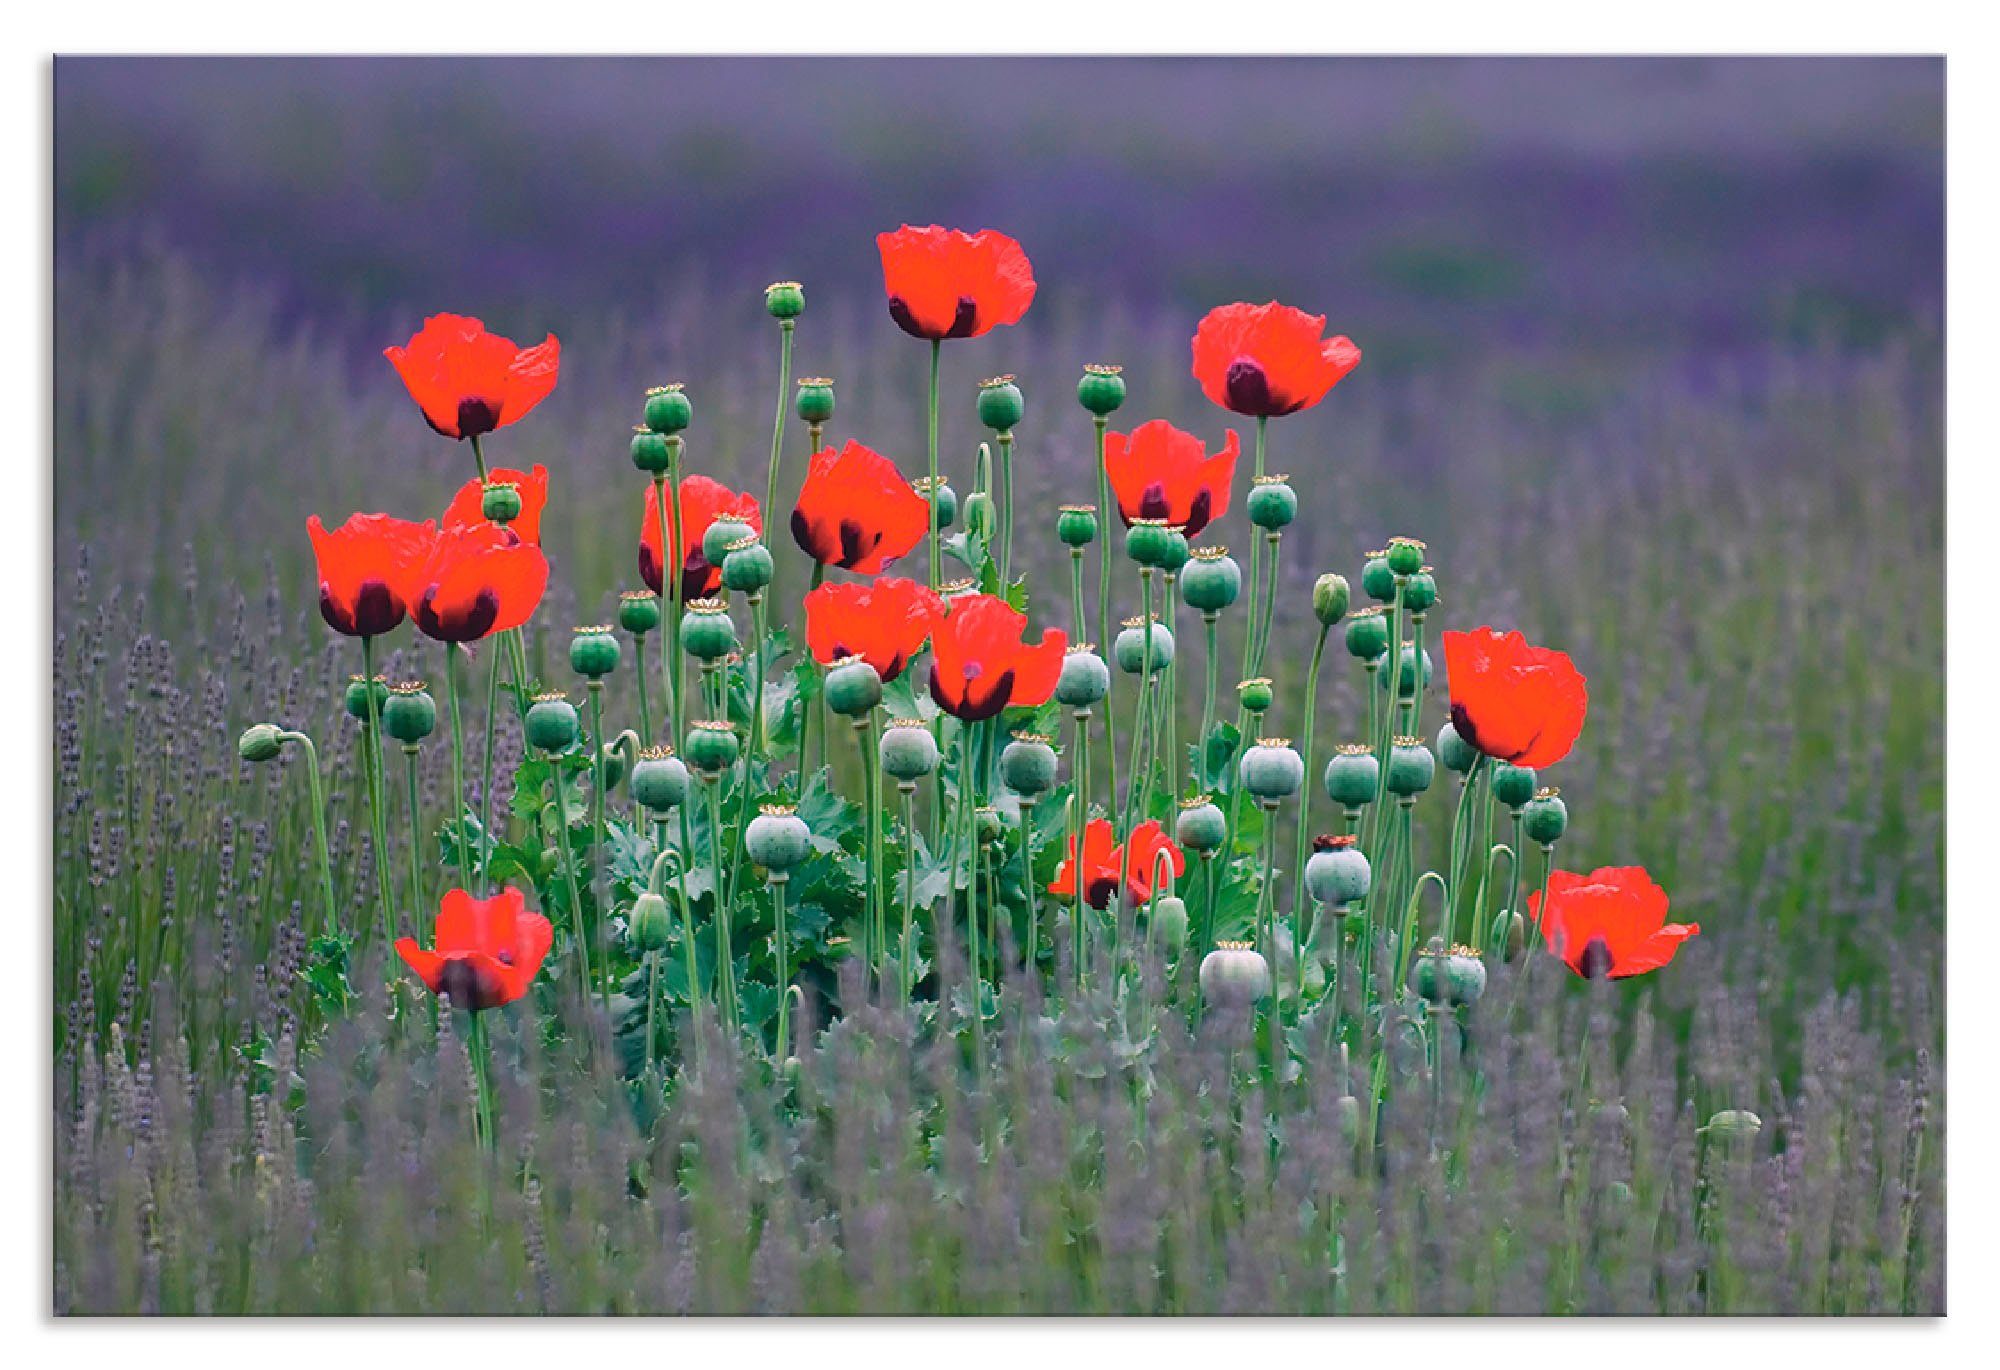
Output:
x,y
458,805
785,330
931,426
1102,424
378,804
486,785
577,920
1308,715
1250,622
906,959
416,841
316,795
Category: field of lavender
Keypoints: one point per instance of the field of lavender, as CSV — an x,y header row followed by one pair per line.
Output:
x,y
1742,547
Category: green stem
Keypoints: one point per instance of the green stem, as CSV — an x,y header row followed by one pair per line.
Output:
x,y
872,785
1079,820
416,844
479,457
1210,666
599,875
689,956
781,954
378,802
1104,513
577,923
906,966
1308,712
457,756
1263,626
756,599
785,330
931,423
725,970
645,705
1256,565
318,800
1176,763
1006,440
482,1079
486,788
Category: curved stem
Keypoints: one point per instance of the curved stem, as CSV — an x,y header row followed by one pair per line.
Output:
x,y
689,956
318,799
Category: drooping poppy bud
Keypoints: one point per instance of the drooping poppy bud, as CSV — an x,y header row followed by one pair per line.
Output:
x,y
1330,599
260,742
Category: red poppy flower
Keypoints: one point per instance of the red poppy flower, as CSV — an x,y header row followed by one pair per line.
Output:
x,y
1103,862
468,381
368,570
946,284
467,506
856,511
480,580
1612,922
703,501
1264,360
980,665
1513,700
884,622
1159,472
487,951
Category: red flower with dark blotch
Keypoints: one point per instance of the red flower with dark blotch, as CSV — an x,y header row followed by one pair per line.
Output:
x,y
1103,863
468,381
1512,700
884,622
1159,472
1612,922
467,506
368,570
980,665
487,950
480,580
1265,360
856,511
943,283
702,502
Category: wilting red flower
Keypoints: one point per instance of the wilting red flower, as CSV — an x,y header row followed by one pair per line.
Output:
x,y
980,665
1268,359
884,622
1612,922
1103,863
703,501
1513,700
856,511
1159,472
467,506
468,381
368,570
487,952
480,580
943,283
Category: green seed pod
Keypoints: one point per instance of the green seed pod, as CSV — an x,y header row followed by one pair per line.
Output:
x,y
1234,974
1169,915
1411,767
707,632
1084,679
1368,635
1146,541
500,501
356,698
1337,874
1176,553
651,923
593,651
746,566
1407,675
1255,694
777,838
651,452
1420,592
1273,503
1271,770
1456,753
1028,765
1351,775
1076,524
784,299
853,687
1131,647
980,520
721,535
1406,556
712,746
638,612
1212,581
1000,404
1201,826
909,752
410,715
1545,818
1513,786
659,780
1733,1125
1330,599
260,742
1101,390
942,497
668,410
552,724
1456,976
815,399
1378,582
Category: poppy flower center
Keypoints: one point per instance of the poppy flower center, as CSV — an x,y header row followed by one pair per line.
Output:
x,y
1248,389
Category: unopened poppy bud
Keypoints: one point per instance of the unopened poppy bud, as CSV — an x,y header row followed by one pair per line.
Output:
x,y
659,780
1101,390
1176,553
260,742
721,535
1201,826
909,752
1076,524
1513,786
1146,541
980,520
1420,592
1028,765
1378,582
1516,932
1254,694
1411,767
1414,673
552,723
1456,753
1212,581
1330,599
668,410
1273,503
356,698
784,299
410,715
500,501
1271,770
1456,976
651,452
853,687
777,838
1733,1125
1234,974
1084,679
707,632
712,746
1545,818
651,923
1169,915
987,824
1000,404
1352,775
1406,556
611,758
593,651
746,566
1368,635
1133,651
638,612
815,401
1337,874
